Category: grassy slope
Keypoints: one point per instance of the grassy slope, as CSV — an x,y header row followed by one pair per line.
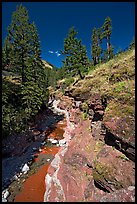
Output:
x,y
115,81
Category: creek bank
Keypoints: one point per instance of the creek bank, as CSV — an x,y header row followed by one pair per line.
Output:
x,y
63,143
33,188
16,158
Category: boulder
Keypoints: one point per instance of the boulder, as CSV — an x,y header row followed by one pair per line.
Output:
x,y
121,134
113,170
98,107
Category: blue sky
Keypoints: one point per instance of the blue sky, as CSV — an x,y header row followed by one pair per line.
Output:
x,y
54,19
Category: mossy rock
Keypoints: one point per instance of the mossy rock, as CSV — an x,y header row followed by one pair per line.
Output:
x,y
119,119
101,172
98,146
105,176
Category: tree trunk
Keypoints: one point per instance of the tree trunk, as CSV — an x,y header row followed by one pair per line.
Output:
x,y
81,77
96,59
108,46
22,71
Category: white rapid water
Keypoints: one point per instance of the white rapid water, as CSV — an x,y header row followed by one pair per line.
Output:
x,y
65,112
57,160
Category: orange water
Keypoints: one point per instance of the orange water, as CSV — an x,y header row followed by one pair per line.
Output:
x,y
33,188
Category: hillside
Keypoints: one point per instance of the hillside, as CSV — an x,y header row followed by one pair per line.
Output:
x,y
47,64
98,162
113,84
13,77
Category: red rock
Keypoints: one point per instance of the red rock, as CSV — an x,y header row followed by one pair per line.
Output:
x,y
98,107
94,101
77,164
100,112
111,125
123,195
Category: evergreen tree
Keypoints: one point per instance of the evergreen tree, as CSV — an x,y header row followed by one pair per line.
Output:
x,y
99,49
107,31
25,50
21,53
76,60
25,47
105,54
19,34
96,48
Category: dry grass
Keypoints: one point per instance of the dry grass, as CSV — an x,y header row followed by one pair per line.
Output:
x,y
114,80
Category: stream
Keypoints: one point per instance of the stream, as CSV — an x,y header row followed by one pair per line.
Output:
x,y
30,186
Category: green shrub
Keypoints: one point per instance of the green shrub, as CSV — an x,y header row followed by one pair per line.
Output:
x,y
120,86
19,105
85,115
85,107
69,81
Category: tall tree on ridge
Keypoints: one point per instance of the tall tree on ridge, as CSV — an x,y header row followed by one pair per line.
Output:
x,y
76,56
22,52
96,48
107,31
25,47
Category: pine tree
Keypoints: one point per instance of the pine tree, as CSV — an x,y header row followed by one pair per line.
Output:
x,y
99,49
22,52
19,34
76,60
96,48
25,47
107,31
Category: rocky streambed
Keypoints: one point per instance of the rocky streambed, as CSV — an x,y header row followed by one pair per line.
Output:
x,y
81,167
27,157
